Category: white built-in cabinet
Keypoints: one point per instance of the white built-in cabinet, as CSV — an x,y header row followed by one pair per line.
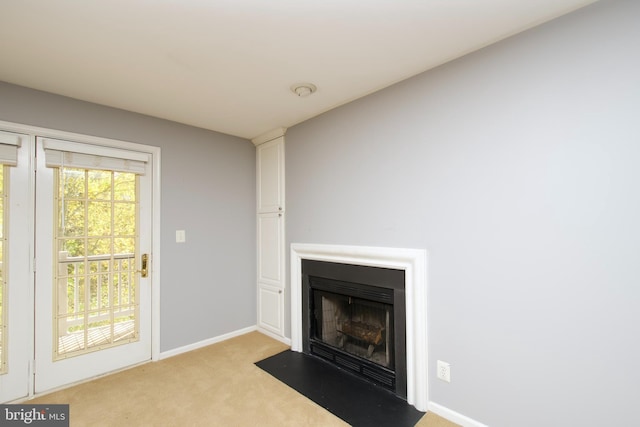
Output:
x,y
270,227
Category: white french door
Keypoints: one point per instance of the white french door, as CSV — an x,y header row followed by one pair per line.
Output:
x,y
16,285
76,219
93,245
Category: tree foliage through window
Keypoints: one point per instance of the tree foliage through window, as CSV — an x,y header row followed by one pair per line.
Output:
x,y
97,212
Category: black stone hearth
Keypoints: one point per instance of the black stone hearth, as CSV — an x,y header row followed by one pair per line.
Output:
x,y
353,399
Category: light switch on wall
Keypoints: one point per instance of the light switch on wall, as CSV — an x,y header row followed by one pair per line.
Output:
x,y
181,236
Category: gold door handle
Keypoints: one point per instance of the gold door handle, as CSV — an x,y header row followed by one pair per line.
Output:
x,y
144,271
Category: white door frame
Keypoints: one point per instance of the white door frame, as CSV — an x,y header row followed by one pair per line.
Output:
x,y
33,131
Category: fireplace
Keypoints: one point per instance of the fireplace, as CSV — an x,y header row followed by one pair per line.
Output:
x,y
411,360
354,317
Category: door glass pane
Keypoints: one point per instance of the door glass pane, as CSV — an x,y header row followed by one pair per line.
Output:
x,y
95,284
3,281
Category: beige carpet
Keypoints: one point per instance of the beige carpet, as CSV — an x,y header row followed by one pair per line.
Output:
x,y
218,385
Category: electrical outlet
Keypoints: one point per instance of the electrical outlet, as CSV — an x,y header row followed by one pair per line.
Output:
x,y
444,371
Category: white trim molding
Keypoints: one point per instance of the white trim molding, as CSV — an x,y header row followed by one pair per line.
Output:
x,y
414,264
453,416
276,337
269,136
205,343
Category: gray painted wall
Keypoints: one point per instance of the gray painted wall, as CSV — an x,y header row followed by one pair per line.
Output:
x,y
517,168
208,189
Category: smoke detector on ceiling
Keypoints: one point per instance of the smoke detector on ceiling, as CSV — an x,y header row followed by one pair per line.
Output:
x,y
303,89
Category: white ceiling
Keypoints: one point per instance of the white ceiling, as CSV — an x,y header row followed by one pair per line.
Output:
x,y
228,65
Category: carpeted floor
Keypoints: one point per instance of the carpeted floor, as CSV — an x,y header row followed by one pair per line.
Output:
x,y
218,385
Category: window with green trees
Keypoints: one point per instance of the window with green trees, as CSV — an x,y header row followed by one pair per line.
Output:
x,y
96,245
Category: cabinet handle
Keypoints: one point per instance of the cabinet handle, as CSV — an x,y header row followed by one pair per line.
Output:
x,y
280,291
279,208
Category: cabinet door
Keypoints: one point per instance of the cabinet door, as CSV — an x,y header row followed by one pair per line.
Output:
x,y
271,309
270,171
271,249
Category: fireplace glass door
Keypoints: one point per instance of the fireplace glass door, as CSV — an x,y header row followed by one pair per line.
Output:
x,y
360,327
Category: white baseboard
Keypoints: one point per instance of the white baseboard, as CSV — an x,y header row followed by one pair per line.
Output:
x,y
204,343
453,416
284,340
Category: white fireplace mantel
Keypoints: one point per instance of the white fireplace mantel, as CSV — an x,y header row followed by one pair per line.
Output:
x,y
414,264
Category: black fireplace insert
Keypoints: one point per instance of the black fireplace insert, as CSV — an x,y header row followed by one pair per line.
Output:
x,y
354,317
